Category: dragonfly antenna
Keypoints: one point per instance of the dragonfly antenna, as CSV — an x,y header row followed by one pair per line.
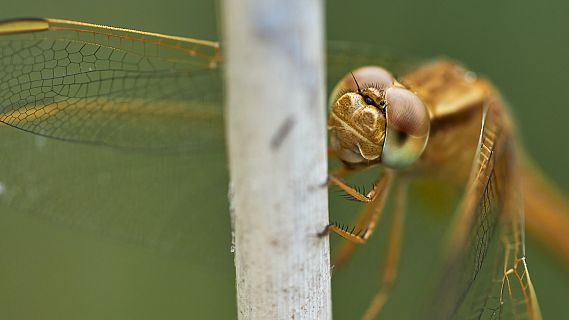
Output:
x,y
356,81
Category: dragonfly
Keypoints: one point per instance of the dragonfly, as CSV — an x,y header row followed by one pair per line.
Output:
x,y
146,92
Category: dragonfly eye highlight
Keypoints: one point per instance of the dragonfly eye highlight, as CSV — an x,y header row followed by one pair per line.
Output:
x,y
407,130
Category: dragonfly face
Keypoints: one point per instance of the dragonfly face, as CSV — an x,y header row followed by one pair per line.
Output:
x,y
380,121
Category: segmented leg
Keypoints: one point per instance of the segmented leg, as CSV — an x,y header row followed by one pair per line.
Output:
x,y
334,178
367,222
356,194
392,255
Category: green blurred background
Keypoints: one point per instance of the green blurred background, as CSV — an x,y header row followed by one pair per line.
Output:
x,y
60,267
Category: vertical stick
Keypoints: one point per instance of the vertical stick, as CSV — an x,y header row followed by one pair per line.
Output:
x,y
277,156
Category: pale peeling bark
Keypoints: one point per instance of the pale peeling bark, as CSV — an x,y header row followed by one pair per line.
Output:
x,y
277,155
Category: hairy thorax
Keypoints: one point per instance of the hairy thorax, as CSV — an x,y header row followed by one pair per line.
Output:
x,y
456,99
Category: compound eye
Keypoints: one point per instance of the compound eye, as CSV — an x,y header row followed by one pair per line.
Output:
x,y
370,75
374,76
408,126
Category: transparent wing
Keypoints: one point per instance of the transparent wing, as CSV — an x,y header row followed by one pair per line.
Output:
x,y
486,275
95,84
157,96
129,89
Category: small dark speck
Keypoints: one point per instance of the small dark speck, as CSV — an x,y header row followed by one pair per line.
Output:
x,y
284,129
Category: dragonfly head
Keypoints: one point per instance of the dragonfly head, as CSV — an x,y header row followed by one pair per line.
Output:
x,y
374,118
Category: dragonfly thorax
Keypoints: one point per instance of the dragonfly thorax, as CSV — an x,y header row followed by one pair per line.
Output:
x,y
377,121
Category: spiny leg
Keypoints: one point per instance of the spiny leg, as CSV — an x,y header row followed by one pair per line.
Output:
x,y
354,193
392,256
371,213
347,248
334,178
368,219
